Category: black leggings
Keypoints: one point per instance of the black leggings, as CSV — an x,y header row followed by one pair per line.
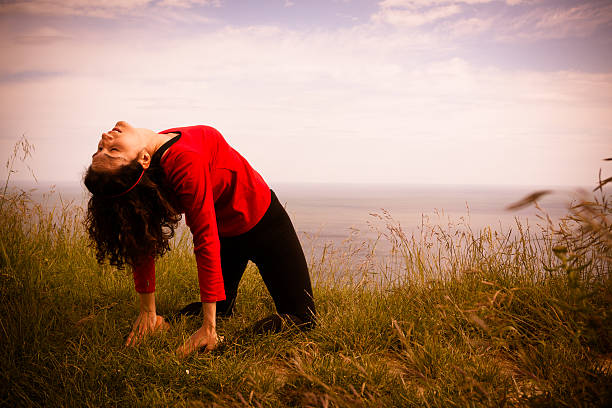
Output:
x,y
274,247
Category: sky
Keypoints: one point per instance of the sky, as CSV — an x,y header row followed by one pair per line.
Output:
x,y
479,92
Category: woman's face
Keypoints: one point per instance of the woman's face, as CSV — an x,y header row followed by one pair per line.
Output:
x,y
118,147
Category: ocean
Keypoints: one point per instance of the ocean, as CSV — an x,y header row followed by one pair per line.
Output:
x,y
343,215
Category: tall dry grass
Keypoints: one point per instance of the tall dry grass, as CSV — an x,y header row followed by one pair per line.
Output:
x,y
453,317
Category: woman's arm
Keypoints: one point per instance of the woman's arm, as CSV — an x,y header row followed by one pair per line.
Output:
x,y
191,180
143,272
147,321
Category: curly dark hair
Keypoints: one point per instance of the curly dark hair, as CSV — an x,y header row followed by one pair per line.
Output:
x,y
124,228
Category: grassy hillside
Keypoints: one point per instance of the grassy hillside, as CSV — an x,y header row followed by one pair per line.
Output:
x,y
454,318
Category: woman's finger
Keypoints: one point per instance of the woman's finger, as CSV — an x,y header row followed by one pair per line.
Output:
x,y
137,333
143,327
182,351
189,347
186,348
161,323
130,339
209,345
213,343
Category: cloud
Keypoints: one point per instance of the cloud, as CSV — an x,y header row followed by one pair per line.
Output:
x,y
415,13
41,35
426,3
362,103
469,26
29,76
544,23
188,3
409,17
367,102
347,17
517,2
93,8
535,20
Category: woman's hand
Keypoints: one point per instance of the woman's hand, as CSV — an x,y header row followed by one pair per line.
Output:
x,y
206,336
146,323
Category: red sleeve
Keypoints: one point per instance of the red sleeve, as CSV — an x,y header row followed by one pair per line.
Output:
x,y
144,275
190,178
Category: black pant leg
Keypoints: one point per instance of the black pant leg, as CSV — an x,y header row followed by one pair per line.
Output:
x,y
277,252
233,263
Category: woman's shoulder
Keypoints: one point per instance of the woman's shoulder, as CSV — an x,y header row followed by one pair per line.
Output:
x,y
181,156
195,130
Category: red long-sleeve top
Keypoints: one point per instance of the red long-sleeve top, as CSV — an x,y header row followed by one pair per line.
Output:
x,y
220,194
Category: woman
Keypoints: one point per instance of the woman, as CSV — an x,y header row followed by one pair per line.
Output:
x,y
141,182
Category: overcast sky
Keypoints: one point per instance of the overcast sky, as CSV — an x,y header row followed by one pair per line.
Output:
x,y
395,91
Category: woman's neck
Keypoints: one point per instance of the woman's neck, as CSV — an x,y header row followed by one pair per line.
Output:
x,y
155,140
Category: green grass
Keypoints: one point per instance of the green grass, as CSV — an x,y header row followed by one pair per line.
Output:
x,y
453,318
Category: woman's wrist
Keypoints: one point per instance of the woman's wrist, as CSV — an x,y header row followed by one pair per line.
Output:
x,y
209,315
147,303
